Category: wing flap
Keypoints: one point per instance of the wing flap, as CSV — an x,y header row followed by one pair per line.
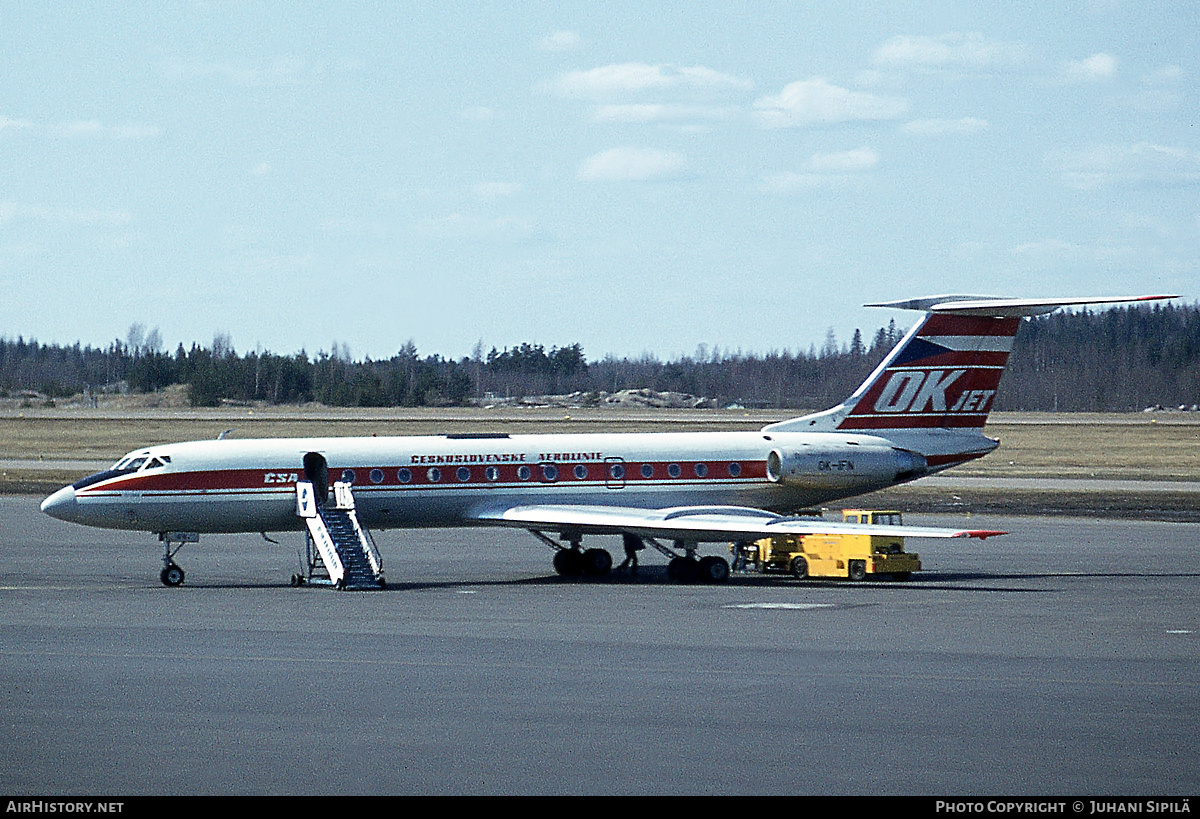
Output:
x,y
694,523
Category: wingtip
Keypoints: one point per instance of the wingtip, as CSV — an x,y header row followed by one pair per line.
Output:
x,y
982,534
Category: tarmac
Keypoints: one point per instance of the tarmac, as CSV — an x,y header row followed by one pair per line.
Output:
x,y
1061,659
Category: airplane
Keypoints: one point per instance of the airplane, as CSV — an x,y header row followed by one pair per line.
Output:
x,y
922,410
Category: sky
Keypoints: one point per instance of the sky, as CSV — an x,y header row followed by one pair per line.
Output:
x,y
634,177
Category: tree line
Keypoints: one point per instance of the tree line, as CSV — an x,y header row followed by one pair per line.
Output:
x,y
1114,360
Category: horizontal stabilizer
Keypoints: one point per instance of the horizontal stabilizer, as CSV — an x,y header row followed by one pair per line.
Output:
x,y
992,307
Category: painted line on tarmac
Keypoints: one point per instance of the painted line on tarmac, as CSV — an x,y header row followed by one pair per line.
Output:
x,y
793,606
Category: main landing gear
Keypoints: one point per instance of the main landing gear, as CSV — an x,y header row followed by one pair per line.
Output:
x,y
172,574
575,561
688,568
710,569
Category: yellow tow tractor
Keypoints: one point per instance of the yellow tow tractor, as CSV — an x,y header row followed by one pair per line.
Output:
x,y
834,555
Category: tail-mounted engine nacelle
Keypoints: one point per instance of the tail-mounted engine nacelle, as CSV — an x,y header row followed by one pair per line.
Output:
x,y
819,468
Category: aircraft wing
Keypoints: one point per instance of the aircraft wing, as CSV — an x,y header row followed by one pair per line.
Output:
x,y
694,523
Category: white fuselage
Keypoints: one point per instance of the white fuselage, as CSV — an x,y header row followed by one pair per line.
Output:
x,y
426,481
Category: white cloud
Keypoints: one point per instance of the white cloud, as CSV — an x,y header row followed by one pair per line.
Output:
x,y
825,171
970,51
278,71
659,112
1141,164
856,161
81,128
261,169
10,211
14,124
630,163
818,102
85,129
940,127
1096,67
489,191
1167,75
560,41
1161,90
625,78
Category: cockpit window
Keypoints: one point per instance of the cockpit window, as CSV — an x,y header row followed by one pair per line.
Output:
x,y
155,463
122,467
128,464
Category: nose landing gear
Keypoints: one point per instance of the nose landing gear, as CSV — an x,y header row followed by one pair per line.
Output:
x,y
574,561
172,574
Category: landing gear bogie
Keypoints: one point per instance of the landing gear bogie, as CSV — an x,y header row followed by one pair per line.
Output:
x,y
709,570
571,562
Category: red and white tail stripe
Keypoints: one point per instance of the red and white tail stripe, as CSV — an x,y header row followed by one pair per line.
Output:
x,y
944,374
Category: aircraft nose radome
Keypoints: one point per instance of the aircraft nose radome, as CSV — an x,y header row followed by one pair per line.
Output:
x,y
61,504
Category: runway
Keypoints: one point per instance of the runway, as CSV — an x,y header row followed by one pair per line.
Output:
x,y
1062,659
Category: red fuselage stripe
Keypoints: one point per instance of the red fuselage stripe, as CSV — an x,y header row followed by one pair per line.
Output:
x,y
444,476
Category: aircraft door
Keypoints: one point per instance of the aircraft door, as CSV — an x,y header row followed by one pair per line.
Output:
x,y
316,472
614,473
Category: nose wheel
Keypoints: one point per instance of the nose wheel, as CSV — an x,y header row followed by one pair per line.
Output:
x,y
171,575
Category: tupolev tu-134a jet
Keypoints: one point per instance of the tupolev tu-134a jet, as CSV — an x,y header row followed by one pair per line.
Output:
x,y
922,410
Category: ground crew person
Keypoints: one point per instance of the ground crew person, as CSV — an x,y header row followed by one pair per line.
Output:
x,y
633,545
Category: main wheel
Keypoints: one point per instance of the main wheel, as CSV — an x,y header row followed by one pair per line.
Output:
x,y
597,562
713,569
799,568
171,575
568,562
683,570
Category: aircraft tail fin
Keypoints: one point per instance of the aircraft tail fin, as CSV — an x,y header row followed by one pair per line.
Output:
x,y
945,371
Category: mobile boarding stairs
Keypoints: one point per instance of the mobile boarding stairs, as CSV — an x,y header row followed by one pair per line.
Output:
x,y
338,551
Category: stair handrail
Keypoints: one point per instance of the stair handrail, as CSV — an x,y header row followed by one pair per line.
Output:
x,y
344,500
